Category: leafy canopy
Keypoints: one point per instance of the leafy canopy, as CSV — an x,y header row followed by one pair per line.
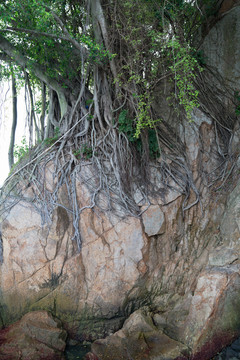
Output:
x,y
144,41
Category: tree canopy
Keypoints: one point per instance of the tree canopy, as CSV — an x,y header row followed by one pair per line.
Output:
x,y
134,43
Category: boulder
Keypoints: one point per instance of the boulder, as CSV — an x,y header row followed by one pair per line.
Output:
x,y
38,335
139,339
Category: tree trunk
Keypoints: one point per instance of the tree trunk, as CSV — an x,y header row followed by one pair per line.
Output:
x,y
43,110
51,119
33,119
14,123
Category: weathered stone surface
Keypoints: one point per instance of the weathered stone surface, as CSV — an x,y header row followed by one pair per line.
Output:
x,y
138,322
90,356
89,291
212,322
152,346
230,224
153,220
222,47
42,269
139,339
36,336
222,256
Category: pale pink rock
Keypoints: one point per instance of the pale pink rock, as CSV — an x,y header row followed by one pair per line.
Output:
x,y
139,339
212,320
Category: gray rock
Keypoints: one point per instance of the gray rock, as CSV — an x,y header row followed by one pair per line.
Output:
x,y
222,257
222,47
153,221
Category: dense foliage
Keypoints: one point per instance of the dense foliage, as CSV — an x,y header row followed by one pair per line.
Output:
x,y
134,43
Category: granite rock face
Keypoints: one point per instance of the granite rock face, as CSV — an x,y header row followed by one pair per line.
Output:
x,y
222,45
161,286
183,277
42,268
212,319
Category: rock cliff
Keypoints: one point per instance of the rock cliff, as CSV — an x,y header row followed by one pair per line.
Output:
x,y
164,285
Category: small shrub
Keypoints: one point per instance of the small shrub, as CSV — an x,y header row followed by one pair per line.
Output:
x,y
84,152
21,150
125,125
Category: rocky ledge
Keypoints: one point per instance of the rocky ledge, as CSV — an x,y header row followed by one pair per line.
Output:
x,y
37,336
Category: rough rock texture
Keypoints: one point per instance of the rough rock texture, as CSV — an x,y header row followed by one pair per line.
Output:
x,y
222,48
185,273
153,220
171,277
139,339
212,319
36,336
43,270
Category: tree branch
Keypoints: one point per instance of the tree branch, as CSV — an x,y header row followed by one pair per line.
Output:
x,y
5,58
23,61
66,33
34,32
